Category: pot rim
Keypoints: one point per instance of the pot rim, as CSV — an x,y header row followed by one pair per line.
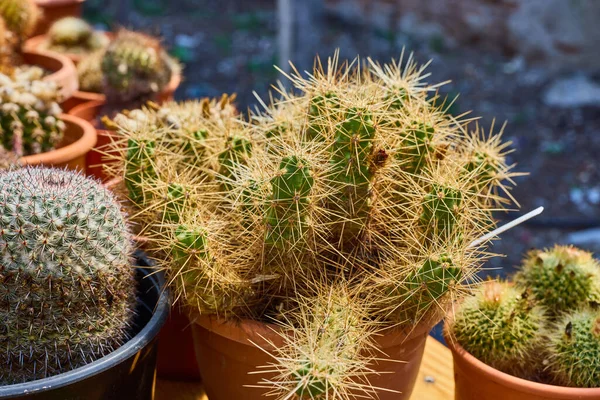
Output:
x,y
523,385
67,153
56,3
247,330
135,344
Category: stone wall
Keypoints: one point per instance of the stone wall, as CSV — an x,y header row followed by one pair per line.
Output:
x,y
564,33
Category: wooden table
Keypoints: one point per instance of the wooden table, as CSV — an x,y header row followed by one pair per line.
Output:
x,y
435,381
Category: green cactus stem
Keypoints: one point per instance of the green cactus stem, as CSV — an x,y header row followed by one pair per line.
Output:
x,y
140,171
416,147
237,151
441,208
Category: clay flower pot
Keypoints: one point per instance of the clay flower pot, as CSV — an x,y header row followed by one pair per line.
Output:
x,y
53,10
226,357
475,380
62,70
79,139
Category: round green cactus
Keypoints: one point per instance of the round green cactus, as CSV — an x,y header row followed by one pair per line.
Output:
x,y
135,66
562,279
67,292
574,349
74,35
500,326
20,17
29,114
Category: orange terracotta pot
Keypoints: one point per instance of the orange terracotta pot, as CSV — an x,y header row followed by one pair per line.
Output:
x,y
95,158
475,380
53,10
79,139
226,356
62,70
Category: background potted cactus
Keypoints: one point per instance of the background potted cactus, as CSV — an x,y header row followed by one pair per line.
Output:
x,y
535,338
78,319
34,129
322,238
18,19
53,10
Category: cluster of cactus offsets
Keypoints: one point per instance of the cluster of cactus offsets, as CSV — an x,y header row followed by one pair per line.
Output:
x,y
354,180
67,292
75,36
543,327
135,66
29,113
501,326
562,278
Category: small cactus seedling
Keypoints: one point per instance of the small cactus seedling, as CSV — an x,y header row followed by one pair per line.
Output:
x,y
74,36
573,349
501,327
67,292
29,114
135,66
562,278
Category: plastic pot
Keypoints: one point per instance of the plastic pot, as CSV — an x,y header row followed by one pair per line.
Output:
x,y
127,373
226,356
475,380
62,70
53,10
79,139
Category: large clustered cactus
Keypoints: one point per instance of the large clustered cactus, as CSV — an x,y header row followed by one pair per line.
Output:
x,y
29,113
74,35
355,181
67,289
545,326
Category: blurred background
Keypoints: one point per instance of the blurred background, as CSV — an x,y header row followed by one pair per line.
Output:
x,y
532,63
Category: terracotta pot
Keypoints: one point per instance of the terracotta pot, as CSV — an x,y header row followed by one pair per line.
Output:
x,y
95,158
79,97
226,356
475,380
53,10
62,70
79,139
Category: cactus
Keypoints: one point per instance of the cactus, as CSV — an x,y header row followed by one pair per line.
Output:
x,y
29,114
89,72
135,66
20,17
140,169
68,291
562,278
8,159
502,327
238,148
75,36
441,208
573,349
416,147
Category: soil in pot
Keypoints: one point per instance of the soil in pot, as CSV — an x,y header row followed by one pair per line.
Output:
x,y
127,373
53,10
474,380
61,70
79,139
226,358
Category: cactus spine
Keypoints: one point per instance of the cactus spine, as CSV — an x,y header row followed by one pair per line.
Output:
x,y
67,292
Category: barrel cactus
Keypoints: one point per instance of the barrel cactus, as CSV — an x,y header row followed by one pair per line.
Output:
x,y
562,278
29,114
68,291
74,36
502,327
573,349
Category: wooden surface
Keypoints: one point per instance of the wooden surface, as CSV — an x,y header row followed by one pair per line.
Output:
x,y
435,381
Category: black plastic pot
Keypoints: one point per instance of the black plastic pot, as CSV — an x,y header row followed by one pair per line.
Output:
x,y
127,373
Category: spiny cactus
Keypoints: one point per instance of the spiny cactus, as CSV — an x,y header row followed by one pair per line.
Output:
x,y
20,17
135,66
89,72
501,326
75,36
574,349
562,278
29,114
67,292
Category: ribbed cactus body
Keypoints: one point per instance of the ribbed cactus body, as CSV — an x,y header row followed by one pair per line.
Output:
x,y
134,66
29,114
563,278
416,147
20,16
441,208
351,174
574,349
67,292
287,215
140,171
501,327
